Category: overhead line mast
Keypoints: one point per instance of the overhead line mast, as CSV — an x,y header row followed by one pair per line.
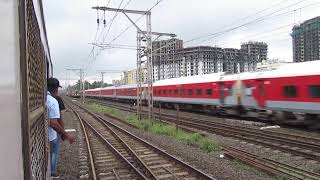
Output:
x,y
147,36
81,83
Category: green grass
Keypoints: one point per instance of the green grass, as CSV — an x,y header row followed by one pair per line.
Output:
x,y
278,178
157,127
103,109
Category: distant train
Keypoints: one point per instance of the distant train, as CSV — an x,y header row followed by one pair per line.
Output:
x,y
283,94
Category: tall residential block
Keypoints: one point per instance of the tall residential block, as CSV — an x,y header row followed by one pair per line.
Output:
x,y
199,60
171,60
164,53
306,40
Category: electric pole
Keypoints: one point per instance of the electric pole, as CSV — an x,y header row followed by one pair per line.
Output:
x,y
141,52
147,36
81,83
102,73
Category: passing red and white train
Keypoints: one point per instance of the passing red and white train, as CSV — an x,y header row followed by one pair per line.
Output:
x,y
281,94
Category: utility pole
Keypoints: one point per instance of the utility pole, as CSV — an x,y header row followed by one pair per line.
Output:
x,y
102,73
102,76
147,36
138,76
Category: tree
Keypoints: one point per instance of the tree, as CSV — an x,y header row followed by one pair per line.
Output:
x,y
88,85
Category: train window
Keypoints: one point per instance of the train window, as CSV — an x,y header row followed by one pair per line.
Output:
x,y
159,92
314,91
248,91
170,92
199,92
209,92
176,91
164,92
182,92
290,91
190,92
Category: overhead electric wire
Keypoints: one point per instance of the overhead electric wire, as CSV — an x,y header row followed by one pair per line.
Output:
x,y
231,29
110,22
244,18
94,58
257,34
114,39
129,26
250,22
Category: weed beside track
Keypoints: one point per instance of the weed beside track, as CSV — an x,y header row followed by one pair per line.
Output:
x,y
157,127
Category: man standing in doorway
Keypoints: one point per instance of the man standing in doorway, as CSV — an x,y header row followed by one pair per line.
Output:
x,y
54,125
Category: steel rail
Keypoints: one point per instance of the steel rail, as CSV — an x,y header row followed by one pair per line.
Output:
x,y
239,131
254,133
271,134
113,149
129,149
270,165
191,169
93,169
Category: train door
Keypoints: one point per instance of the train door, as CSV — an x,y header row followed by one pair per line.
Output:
x,y
114,93
261,93
221,93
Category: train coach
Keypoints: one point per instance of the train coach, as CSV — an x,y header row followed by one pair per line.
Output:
x,y
25,66
284,94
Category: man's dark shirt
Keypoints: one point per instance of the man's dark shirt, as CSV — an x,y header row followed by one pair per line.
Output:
x,y
61,104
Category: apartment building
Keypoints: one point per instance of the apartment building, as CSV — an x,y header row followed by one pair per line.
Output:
x,y
306,40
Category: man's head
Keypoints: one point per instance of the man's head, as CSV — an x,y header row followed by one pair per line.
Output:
x,y
53,85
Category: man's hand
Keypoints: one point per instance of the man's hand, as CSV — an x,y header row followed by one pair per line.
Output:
x,y
70,138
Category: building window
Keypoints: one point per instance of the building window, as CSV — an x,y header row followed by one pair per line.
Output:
x,y
290,91
209,92
190,92
199,92
314,91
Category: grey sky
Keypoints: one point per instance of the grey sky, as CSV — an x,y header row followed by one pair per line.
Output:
x,y
71,25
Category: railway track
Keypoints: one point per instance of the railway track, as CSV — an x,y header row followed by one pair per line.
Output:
x,y
307,147
118,154
271,166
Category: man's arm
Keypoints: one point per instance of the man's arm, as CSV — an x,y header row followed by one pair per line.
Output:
x,y
54,123
60,121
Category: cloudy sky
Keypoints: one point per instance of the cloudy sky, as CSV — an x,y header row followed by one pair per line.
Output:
x,y
71,27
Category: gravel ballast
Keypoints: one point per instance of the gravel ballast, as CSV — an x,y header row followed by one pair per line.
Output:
x,y
211,163
68,165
